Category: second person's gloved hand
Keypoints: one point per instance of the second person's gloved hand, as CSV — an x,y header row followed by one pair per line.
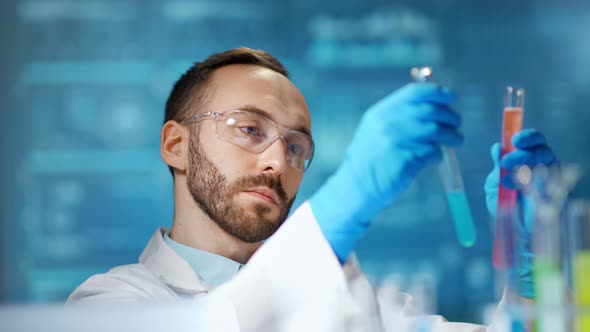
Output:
x,y
531,150
396,138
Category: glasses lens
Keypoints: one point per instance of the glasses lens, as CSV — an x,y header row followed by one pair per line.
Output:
x,y
254,133
248,130
299,150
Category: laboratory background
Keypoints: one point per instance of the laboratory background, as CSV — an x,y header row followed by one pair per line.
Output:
x,y
84,83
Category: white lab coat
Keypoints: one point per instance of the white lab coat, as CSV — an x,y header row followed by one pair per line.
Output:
x,y
294,282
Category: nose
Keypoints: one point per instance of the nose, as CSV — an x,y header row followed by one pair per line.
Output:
x,y
274,159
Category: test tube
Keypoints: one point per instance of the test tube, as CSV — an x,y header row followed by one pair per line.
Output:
x,y
452,180
547,189
504,238
580,223
549,280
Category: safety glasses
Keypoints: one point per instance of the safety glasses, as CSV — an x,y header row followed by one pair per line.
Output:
x,y
255,133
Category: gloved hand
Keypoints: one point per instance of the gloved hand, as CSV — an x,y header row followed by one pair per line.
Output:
x,y
397,137
532,150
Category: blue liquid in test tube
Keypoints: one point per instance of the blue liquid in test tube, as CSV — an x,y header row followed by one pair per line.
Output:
x,y
452,181
461,215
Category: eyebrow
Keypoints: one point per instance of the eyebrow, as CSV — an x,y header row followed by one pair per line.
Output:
x,y
262,112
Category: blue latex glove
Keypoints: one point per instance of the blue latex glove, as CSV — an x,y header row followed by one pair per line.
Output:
x,y
532,150
396,138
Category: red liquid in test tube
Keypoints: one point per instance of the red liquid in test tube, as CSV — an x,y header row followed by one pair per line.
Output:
x,y
504,238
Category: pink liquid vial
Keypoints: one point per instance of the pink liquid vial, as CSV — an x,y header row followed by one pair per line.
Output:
x,y
504,238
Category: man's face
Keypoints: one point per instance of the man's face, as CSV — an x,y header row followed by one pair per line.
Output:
x,y
247,194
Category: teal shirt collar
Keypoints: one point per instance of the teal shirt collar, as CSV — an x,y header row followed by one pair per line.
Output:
x,y
213,269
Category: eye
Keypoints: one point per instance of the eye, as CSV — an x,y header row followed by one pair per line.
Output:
x,y
296,149
250,131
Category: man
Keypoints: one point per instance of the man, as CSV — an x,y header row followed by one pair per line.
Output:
x,y
237,138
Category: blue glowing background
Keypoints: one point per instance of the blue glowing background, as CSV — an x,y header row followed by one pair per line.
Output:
x,y
84,85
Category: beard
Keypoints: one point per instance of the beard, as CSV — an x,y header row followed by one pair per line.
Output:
x,y
215,196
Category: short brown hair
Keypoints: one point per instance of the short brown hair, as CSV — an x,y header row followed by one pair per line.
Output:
x,y
190,91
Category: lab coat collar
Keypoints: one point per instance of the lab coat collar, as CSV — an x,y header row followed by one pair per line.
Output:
x,y
161,260
213,269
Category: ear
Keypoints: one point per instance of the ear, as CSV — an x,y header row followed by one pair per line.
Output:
x,y
174,145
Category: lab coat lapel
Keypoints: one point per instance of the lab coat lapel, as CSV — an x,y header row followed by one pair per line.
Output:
x,y
161,260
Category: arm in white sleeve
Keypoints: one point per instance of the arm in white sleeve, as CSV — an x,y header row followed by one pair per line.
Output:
x,y
294,282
